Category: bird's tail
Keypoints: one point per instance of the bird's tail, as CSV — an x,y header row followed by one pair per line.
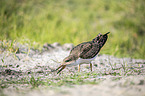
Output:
x,y
62,67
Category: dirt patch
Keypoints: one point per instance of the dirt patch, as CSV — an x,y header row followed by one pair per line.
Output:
x,y
31,74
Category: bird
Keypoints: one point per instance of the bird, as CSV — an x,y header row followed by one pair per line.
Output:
x,y
84,53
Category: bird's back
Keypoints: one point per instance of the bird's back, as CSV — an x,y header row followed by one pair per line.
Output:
x,y
89,49
78,49
86,50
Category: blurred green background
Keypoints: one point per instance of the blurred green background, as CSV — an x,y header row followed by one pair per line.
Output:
x,y
76,21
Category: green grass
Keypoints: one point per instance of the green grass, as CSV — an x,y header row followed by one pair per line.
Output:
x,y
76,21
63,80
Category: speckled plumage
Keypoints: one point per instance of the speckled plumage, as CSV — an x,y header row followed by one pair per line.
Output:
x,y
84,51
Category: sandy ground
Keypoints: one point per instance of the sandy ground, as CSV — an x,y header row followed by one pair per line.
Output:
x,y
20,65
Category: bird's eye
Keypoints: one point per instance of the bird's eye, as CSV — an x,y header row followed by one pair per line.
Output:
x,y
67,60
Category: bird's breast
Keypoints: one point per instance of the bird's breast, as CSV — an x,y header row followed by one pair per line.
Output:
x,y
81,60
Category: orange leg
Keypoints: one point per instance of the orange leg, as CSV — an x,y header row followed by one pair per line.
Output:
x,y
79,68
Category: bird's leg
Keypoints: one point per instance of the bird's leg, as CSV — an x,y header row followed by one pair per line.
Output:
x,y
91,66
79,68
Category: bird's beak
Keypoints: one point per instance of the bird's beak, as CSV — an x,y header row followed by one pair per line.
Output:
x,y
62,63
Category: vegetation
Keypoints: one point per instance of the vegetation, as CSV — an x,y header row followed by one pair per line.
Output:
x,y
76,21
34,80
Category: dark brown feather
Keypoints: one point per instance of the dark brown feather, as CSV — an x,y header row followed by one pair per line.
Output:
x,y
91,52
90,49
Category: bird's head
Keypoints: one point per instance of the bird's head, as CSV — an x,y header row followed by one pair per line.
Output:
x,y
101,39
69,60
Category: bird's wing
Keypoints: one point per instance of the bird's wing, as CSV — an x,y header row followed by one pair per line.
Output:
x,y
89,51
77,49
